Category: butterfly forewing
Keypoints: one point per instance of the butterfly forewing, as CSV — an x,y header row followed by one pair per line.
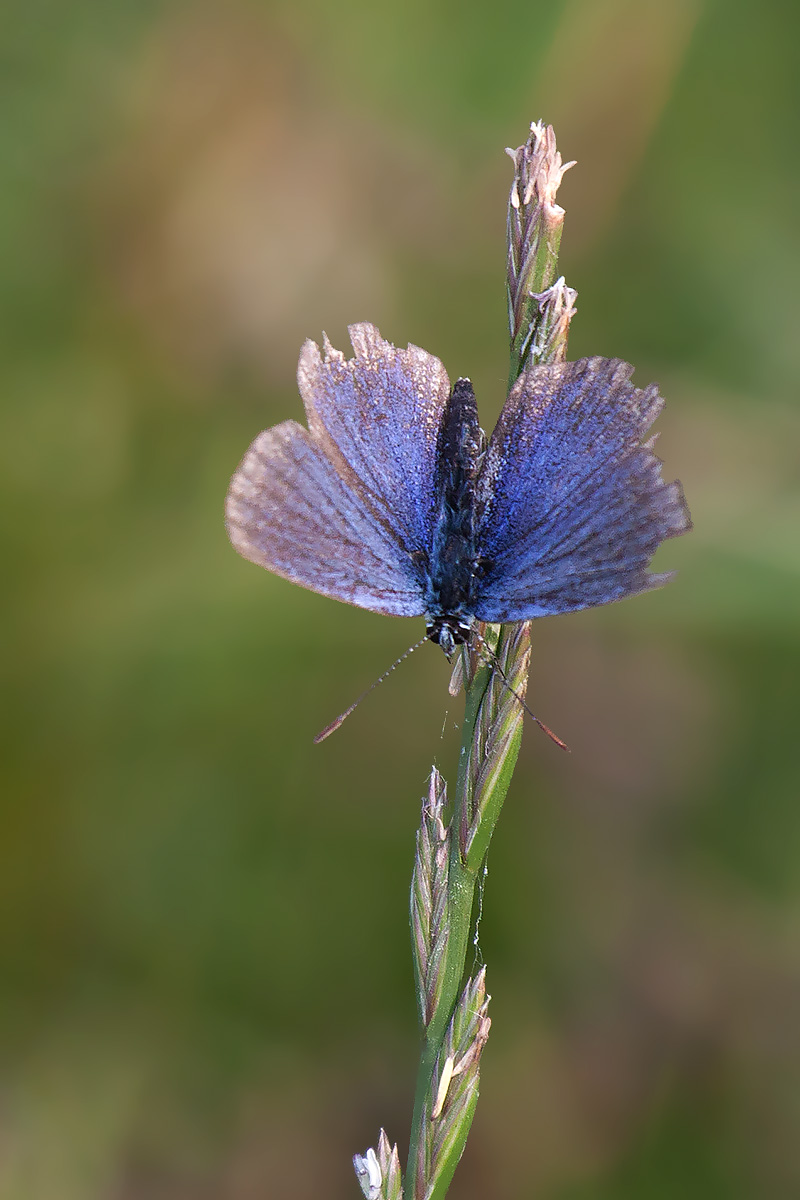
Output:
x,y
377,417
571,505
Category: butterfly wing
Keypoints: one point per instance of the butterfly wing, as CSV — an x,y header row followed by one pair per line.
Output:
x,y
339,508
571,504
377,417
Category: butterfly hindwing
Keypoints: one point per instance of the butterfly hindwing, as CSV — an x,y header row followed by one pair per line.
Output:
x,y
570,501
289,510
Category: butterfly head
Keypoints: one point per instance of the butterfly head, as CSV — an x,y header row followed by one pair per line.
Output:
x,y
449,631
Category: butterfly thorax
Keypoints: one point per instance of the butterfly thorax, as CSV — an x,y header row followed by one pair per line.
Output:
x,y
451,566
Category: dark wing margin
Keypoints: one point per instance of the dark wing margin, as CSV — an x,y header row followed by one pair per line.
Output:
x,y
377,418
571,503
289,510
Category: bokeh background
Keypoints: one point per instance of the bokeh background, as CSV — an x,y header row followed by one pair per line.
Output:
x,y
206,989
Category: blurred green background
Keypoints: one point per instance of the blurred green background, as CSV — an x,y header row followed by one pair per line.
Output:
x,y
206,985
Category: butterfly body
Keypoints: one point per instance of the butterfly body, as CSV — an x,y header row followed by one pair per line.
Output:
x,y
452,567
393,500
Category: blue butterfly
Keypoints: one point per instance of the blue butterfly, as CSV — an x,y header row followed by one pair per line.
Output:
x,y
392,499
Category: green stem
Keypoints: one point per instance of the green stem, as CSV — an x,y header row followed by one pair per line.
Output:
x,y
461,894
464,870
491,738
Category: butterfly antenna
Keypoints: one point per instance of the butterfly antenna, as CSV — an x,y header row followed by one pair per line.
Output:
x,y
484,645
340,720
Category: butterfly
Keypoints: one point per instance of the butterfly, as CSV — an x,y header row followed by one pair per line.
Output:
x,y
393,500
